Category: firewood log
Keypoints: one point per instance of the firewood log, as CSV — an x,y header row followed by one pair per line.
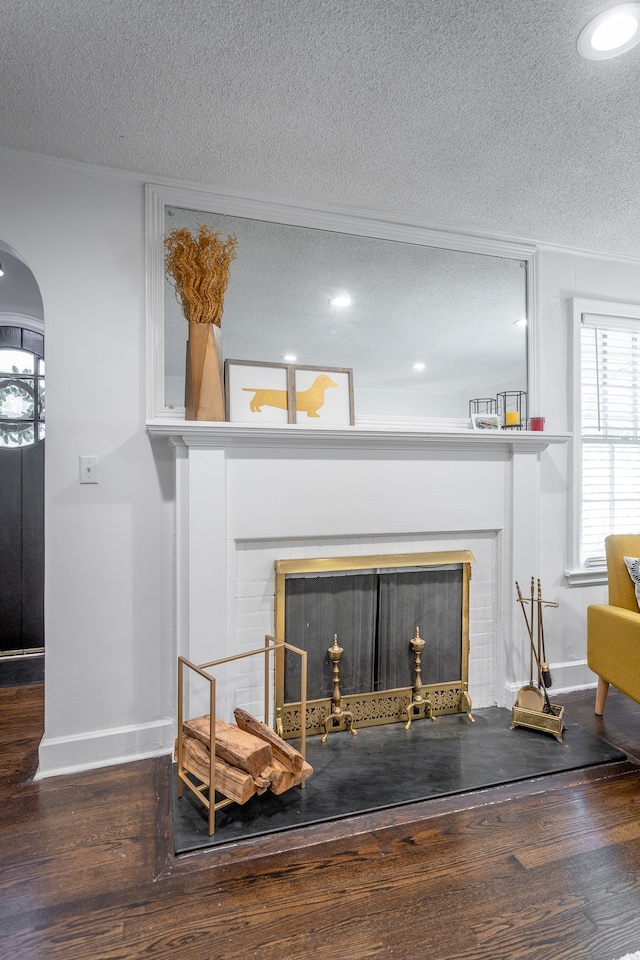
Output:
x,y
237,747
288,756
283,779
231,782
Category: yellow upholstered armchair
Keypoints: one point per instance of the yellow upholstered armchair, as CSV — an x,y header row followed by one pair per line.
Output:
x,y
613,629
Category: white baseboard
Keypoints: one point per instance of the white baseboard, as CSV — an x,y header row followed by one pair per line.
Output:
x,y
103,748
566,677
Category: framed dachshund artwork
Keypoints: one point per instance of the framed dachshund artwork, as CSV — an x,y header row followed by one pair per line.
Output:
x,y
257,392
283,393
322,396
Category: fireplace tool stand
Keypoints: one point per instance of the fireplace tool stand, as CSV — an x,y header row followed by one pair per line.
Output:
x,y
419,705
338,717
533,708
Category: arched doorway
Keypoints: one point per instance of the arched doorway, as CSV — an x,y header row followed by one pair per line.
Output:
x,y
22,397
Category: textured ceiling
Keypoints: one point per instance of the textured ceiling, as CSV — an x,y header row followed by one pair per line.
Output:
x,y
479,114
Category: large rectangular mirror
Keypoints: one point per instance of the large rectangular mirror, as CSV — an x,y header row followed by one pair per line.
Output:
x,y
427,328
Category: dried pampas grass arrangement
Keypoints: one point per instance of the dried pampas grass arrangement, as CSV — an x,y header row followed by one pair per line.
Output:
x,y
199,269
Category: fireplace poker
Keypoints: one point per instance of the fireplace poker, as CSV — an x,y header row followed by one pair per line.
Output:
x,y
530,697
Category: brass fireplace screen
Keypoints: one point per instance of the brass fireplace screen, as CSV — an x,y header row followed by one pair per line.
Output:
x,y
374,605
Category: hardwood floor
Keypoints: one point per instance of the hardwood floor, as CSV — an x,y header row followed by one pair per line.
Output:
x,y
547,871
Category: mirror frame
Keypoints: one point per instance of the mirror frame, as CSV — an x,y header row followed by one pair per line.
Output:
x,y
341,220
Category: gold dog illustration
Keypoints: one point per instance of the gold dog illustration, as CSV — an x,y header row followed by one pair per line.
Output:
x,y
307,401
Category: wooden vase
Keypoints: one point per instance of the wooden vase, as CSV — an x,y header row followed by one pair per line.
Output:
x,y
204,396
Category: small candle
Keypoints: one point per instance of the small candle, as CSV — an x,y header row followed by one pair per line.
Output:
x,y
512,418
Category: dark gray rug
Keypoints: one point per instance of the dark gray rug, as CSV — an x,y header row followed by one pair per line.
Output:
x,y
388,766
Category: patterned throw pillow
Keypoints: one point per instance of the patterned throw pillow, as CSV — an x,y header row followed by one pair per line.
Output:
x,y
633,566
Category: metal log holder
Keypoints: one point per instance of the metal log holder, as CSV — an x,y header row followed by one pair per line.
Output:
x,y
338,719
205,790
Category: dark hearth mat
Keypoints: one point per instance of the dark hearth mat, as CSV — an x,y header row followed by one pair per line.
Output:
x,y
388,766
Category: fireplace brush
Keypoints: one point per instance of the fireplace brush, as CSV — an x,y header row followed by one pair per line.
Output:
x,y
544,663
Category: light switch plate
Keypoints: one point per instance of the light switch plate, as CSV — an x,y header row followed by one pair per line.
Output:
x,y
89,469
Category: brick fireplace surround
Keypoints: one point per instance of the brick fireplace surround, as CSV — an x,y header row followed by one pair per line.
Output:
x,y
247,496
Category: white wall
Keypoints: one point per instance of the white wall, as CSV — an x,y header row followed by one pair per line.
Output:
x,y
109,632
563,276
109,689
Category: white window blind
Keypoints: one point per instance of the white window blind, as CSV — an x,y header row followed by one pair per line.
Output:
x,y
610,431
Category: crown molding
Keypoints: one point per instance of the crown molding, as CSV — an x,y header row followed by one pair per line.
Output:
x,y
548,247
444,234
74,166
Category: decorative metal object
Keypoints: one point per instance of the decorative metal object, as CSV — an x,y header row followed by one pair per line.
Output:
x,y
483,405
552,723
419,704
338,717
512,409
465,702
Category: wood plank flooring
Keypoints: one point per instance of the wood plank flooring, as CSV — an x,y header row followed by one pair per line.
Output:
x,y
547,871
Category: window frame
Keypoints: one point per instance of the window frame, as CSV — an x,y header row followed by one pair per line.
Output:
x,y
577,573
30,325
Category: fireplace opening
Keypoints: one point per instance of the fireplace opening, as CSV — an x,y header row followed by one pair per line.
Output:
x,y
374,605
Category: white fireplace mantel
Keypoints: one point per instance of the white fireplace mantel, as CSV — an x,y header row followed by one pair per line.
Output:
x,y
290,436
243,490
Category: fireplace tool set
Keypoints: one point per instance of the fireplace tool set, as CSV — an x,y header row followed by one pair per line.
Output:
x,y
533,708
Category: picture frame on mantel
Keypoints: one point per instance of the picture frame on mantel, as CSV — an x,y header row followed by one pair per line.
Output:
x,y
322,396
257,392
485,421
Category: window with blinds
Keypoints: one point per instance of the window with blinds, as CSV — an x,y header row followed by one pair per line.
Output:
x,y
610,431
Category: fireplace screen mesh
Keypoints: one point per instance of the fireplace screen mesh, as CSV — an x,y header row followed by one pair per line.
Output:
x,y
375,615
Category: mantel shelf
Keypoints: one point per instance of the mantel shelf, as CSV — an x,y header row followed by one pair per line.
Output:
x,y
349,439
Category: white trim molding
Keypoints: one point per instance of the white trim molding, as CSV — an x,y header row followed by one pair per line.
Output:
x,y
103,748
21,320
567,677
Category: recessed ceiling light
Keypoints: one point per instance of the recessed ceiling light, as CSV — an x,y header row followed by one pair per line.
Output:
x,y
342,300
289,358
611,33
419,366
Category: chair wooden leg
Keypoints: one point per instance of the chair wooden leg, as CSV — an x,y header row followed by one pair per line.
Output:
x,y
601,696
